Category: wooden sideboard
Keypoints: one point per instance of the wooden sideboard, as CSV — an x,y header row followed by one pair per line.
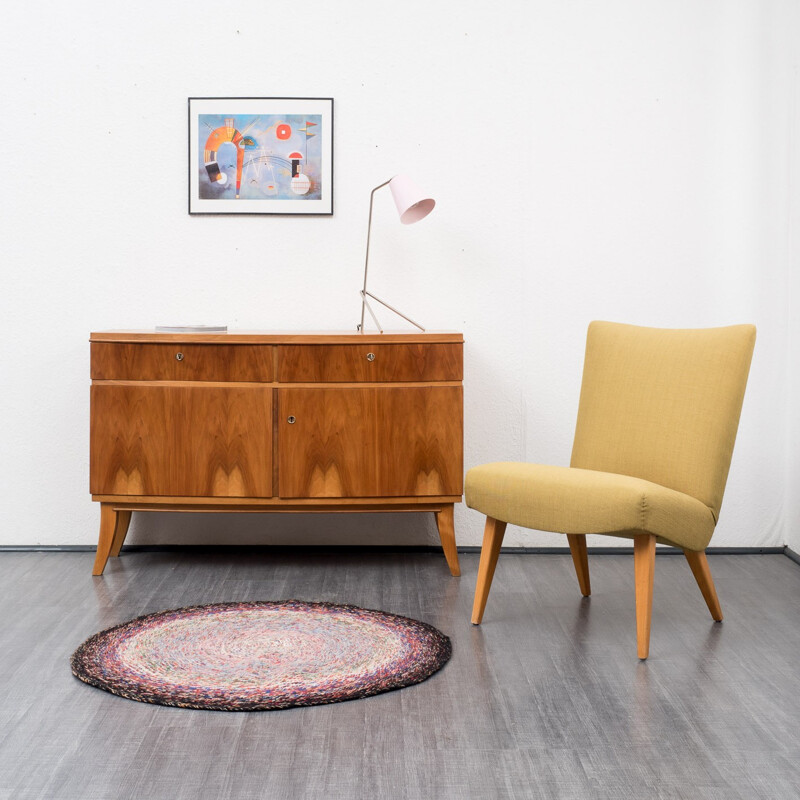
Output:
x,y
259,421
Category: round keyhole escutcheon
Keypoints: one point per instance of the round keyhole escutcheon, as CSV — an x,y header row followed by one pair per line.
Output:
x,y
179,356
291,420
370,356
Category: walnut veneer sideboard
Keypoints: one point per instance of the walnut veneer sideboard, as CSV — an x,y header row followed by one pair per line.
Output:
x,y
254,421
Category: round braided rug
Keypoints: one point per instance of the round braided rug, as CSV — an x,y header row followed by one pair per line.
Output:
x,y
260,655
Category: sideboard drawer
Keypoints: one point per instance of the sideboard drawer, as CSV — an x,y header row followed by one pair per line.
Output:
x,y
334,363
181,362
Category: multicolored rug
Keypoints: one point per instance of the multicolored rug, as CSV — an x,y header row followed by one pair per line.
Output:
x,y
261,655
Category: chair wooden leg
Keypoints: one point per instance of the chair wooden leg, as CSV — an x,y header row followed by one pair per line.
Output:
x,y
580,557
447,535
702,574
123,520
492,540
644,562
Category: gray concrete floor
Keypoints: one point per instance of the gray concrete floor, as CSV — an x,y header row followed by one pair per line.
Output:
x,y
545,700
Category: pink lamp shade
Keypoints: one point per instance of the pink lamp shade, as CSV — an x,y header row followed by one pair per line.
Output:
x,y
412,204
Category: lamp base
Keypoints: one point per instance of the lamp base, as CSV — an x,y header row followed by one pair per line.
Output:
x,y
365,304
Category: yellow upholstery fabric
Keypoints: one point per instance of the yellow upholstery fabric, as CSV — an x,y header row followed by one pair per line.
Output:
x,y
657,420
568,500
663,404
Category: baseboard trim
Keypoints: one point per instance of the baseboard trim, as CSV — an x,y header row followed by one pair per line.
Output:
x,y
789,553
617,551
344,548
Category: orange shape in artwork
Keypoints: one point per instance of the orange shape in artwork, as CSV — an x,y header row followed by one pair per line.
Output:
x,y
283,131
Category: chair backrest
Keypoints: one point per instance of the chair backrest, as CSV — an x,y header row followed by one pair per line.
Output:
x,y
663,404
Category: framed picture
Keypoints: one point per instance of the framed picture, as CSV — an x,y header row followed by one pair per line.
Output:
x,y
260,155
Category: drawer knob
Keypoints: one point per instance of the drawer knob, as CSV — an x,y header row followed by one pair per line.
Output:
x,y
179,356
370,356
291,420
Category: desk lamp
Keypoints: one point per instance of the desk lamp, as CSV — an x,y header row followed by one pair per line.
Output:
x,y
412,206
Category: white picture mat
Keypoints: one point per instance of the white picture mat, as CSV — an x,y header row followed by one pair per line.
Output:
x,y
322,106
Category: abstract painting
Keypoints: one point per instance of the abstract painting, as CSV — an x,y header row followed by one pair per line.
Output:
x,y
270,155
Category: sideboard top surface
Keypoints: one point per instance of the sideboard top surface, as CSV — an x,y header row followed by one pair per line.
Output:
x,y
279,337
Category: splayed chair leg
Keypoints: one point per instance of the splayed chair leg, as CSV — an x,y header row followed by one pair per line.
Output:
x,y
644,562
702,574
580,557
492,540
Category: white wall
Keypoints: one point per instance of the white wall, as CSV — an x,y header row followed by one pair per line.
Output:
x,y
623,160
789,154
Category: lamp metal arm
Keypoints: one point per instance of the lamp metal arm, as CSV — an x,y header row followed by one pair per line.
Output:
x,y
371,313
391,308
366,260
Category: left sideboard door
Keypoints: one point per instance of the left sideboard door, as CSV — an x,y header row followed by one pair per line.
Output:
x,y
181,441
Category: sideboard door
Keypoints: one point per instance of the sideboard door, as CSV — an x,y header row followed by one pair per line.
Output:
x,y
370,442
182,441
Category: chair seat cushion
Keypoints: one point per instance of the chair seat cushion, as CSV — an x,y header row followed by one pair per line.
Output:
x,y
570,500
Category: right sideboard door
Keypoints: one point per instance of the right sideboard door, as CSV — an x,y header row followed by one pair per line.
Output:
x,y
370,441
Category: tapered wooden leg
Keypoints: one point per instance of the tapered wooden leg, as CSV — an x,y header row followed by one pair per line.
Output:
x,y
644,563
447,534
702,574
492,540
123,520
108,527
580,557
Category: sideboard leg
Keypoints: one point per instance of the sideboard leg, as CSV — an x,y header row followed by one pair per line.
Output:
x,y
123,520
108,527
447,533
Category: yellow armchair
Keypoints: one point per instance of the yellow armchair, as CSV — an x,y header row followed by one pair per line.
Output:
x,y
657,420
